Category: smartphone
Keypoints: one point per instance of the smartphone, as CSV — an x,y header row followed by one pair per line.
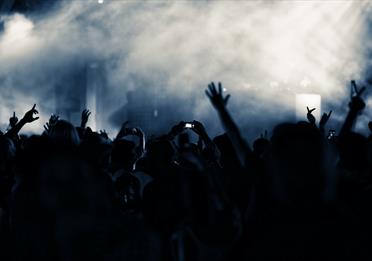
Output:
x,y
189,125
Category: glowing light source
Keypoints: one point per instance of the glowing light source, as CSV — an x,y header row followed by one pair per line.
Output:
x,y
101,1
18,29
18,38
304,100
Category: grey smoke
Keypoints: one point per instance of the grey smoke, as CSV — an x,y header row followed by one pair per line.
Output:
x,y
263,51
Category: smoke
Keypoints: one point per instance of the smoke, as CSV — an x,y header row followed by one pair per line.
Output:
x,y
263,52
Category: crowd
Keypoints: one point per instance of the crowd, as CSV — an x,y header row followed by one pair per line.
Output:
x,y
71,193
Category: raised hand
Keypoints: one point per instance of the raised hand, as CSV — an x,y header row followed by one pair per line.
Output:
x,y
138,132
52,121
142,144
84,118
124,131
177,129
324,119
128,131
29,116
310,116
219,102
216,96
13,120
199,128
103,134
356,103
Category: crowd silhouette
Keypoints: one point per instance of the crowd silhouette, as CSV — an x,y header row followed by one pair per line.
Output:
x,y
71,193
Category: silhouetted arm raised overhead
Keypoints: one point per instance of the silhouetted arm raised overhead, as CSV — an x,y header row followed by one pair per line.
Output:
x,y
323,121
310,116
219,102
84,118
210,147
51,122
13,120
142,141
28,118
356,105
124,131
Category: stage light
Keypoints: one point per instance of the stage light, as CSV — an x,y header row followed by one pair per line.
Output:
x,y
18,29
101,1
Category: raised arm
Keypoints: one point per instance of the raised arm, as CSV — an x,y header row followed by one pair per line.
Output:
x,y
84,118
124,131
323,121
51,122
310,116
27,118
219,102
142,141
210,147
13,120
356,105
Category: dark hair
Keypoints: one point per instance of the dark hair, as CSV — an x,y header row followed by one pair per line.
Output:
x,y
64,133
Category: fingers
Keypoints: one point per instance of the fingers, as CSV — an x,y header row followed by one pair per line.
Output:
x,y
46,126
86,113
226,99
329,114
351,92
212,89
33,109
361,91
14,114
354,86
208,94
310,111
216,95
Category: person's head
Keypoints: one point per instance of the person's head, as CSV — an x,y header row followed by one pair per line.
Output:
x,y
64,133
296,160
159,153
96,149
123,154
261,146
228,155
298,143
